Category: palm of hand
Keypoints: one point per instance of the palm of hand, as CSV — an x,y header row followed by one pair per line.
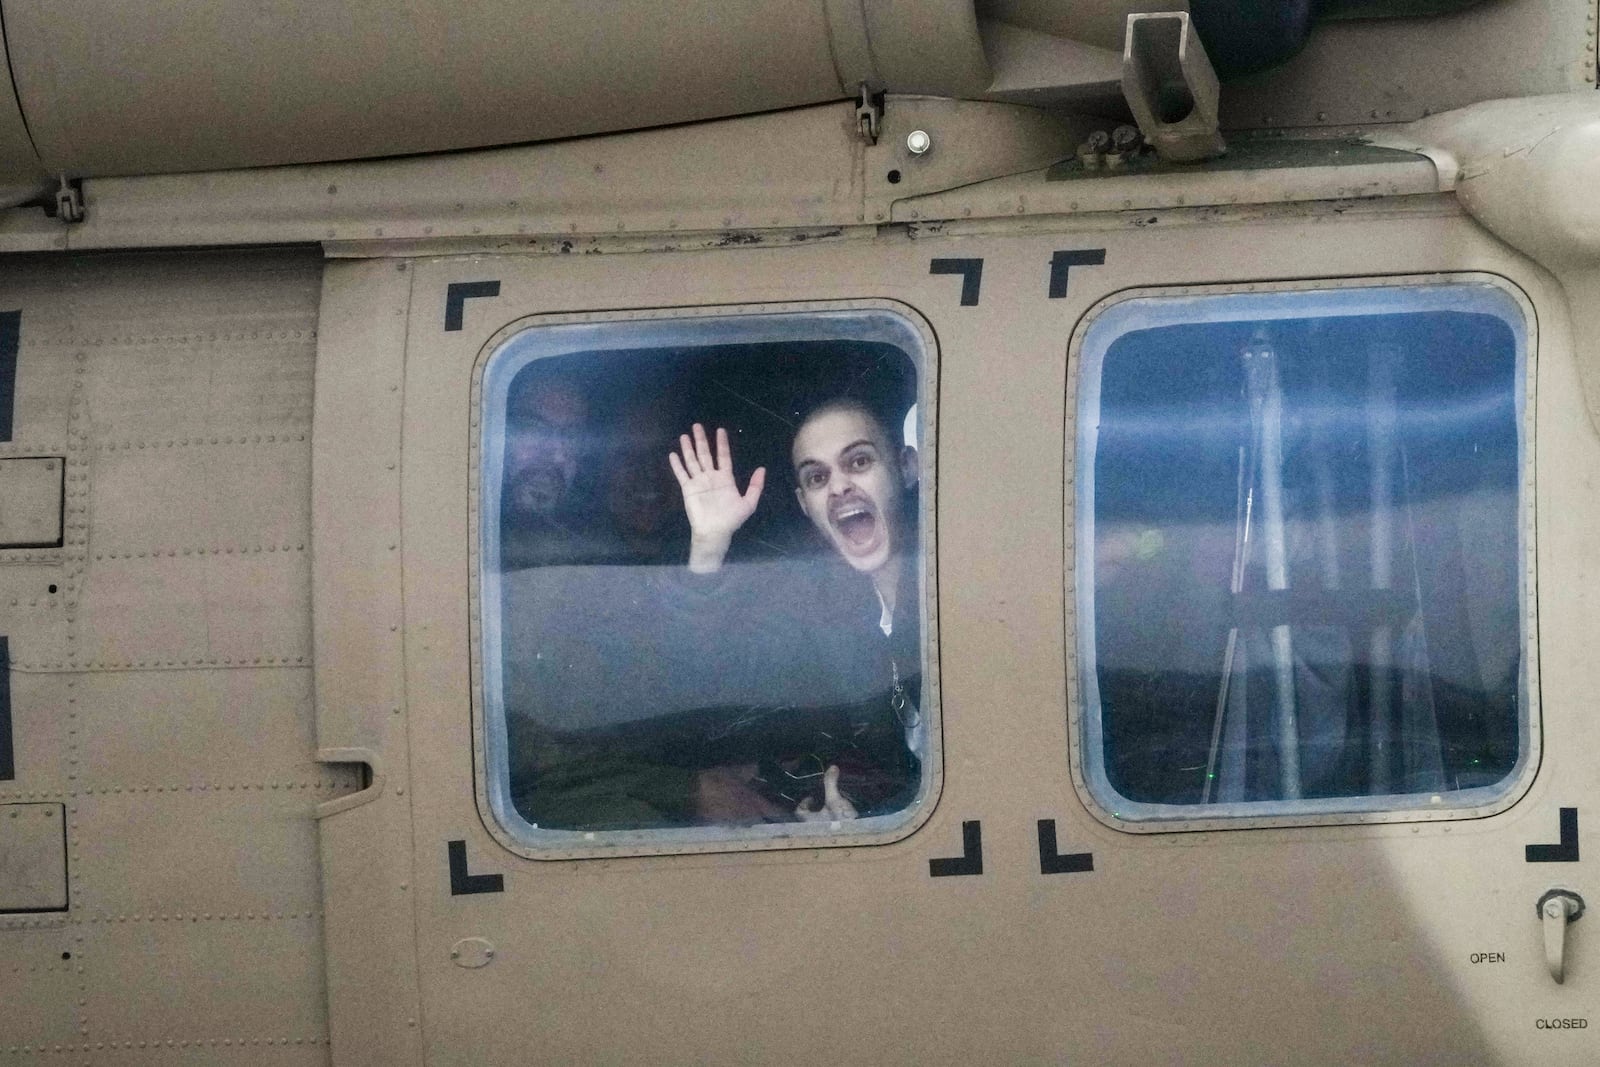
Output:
x,y
711,497
714,504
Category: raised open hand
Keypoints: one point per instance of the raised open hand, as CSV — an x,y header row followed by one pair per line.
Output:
x,y
711,497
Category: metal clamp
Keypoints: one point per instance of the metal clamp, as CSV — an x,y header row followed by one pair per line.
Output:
x,y
69,201
1170,87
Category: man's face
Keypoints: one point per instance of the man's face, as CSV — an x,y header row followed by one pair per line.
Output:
x,y
640,496
542,448
848,479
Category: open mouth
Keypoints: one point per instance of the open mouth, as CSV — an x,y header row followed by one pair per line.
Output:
x,y
857,524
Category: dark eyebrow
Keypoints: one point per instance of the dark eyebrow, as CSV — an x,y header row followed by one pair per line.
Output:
x,y
851,447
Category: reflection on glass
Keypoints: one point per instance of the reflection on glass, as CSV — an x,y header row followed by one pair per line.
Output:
x,y
1302,517
702,598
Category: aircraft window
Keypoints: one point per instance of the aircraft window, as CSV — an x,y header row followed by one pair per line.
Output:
x,y
703,592
1302,544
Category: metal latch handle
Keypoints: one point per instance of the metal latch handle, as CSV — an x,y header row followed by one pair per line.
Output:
x,y
1558,909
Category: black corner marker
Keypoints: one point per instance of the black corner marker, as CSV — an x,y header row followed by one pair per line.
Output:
x,y
1567,851
971,859
10,344
457,294
971,271
1062,263
463,884
8,764
1051,861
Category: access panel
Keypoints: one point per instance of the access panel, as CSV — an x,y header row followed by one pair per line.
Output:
x,y
33,857
30,501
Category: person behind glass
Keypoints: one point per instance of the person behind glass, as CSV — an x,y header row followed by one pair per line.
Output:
x,y
854,486
543,513
641,512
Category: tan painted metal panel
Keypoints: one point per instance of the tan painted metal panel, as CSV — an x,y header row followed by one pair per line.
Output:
x,y
232,855
215,346
724,181
138,729
37,622
1353,941
129,89
40,734
30,502
46,360
122,89
20,167
927,47
362,708
33,857
1026,194
1097,23
239,610
260,986
1368,71
796,168
161,688
41,989
201,499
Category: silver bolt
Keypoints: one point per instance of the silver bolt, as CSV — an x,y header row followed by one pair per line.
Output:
x,y
918,143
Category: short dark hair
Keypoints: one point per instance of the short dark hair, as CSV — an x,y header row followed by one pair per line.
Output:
x,y
849,402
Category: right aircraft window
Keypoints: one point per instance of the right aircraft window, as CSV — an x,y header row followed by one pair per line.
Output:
x,y
1303,551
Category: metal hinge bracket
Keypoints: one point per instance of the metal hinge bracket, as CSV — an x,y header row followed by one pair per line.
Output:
x,y
69,201
869,114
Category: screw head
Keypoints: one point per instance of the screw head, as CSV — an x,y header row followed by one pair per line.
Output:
x,y
1126,138
918,143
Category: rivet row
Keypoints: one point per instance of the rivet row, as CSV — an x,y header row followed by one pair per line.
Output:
x,y
238,916
226,550
277,437
72,666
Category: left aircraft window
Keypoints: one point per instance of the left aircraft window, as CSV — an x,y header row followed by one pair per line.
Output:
x,y
701,579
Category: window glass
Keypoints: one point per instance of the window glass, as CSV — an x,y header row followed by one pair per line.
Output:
x,y
703,603
1300,551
